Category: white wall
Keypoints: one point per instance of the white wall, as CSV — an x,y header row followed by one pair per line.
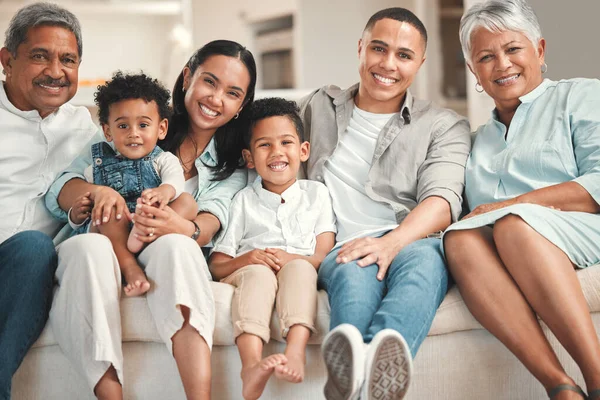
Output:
x,y
571,32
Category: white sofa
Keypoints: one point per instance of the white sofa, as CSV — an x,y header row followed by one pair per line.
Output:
x,y
458,360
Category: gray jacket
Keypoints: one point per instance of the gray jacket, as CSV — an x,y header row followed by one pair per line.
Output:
x,y
421,152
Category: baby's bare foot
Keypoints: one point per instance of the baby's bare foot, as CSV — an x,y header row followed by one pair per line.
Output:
x,y
135,245
293,370
137,283
254,378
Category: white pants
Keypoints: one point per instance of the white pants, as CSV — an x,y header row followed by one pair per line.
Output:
x,y
85,314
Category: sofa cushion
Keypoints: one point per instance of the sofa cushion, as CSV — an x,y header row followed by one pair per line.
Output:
x,y
452,316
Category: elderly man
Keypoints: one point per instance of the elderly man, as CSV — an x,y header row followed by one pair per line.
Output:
x,y
39,137
394,166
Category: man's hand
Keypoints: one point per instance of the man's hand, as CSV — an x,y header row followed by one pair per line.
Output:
x,y
370,251
160,196
81,209
105,200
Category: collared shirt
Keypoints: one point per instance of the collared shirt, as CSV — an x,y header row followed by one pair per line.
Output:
x,y
260,219
421,152
213,197
33,152
554,137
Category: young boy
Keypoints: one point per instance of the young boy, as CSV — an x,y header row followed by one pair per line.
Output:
x,y
133,111
280,230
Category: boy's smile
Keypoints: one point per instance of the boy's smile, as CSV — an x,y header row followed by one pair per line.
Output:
x,y
276,153
134,126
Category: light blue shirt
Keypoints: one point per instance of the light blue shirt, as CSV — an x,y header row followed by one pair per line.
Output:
x,y
554,137
213,197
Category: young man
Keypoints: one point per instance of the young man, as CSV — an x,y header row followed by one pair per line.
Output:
x,y
394,166
39,137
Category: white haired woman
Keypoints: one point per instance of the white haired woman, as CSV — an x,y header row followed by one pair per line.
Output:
x,y
533,184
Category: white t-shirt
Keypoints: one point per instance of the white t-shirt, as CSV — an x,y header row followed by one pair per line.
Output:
x,y
346,173
259,219
33,152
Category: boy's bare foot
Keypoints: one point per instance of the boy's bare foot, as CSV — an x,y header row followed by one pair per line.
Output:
x,y
254,378
293,370
137,283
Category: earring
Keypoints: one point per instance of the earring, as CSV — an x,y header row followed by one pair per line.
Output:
x,y
544,68
236,116
478,88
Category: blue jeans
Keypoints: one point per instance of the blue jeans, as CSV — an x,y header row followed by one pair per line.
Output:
x,y
406,300
27,264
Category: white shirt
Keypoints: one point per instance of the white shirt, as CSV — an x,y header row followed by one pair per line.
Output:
x,y
33,152
346,174
166,165
260,219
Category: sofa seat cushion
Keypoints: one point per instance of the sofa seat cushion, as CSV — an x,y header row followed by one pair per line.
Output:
x,y
452,316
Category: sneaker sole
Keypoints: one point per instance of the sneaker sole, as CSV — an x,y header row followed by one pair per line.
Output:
x,y
390,373
339,360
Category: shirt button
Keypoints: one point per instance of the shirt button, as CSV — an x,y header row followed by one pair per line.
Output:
x,y
319,178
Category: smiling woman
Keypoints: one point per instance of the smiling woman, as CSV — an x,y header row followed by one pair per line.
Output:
x,y
532,185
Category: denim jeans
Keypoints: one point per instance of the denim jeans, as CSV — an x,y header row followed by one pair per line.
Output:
x,y
27,264
406,300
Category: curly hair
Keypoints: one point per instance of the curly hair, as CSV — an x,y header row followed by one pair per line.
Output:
x,y
274,107
131,86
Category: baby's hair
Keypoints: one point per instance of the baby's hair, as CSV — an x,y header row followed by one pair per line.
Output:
x,y
131,86
274,107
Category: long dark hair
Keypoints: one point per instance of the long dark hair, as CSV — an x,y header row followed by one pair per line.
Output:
x,y
229,138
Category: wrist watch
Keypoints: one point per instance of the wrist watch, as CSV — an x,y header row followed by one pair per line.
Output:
x,y
196,233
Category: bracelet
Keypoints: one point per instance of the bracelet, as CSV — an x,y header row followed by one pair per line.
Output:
x,y
196,233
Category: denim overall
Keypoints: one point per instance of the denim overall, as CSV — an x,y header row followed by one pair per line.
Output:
x,y
128,177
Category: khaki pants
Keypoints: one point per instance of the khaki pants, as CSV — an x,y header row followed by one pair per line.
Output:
x,y
257,287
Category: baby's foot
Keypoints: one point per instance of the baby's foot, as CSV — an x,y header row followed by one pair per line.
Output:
x,y
137,283
134,244
293,370
254,378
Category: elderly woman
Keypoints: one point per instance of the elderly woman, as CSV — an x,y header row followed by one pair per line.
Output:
x,y
533,184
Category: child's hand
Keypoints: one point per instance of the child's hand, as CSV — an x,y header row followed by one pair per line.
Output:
x,y
82,207
283,256
257,256
161,196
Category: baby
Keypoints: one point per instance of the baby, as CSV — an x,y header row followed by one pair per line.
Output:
x,y
133,111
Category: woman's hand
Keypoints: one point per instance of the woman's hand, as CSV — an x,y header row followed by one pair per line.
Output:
x,y
156,222
370,251
485,208
105,200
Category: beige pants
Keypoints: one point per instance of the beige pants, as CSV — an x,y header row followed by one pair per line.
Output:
x,y
85,314
293,290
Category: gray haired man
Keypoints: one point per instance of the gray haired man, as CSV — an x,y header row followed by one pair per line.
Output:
x,y
39,137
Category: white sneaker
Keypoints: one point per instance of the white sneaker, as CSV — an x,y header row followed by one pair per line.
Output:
x,y
344,355
388,367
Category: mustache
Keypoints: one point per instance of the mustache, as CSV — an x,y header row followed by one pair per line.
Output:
x,y
52,82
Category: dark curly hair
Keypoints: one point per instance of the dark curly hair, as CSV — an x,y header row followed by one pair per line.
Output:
x,y
131,86
274,107
228,138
